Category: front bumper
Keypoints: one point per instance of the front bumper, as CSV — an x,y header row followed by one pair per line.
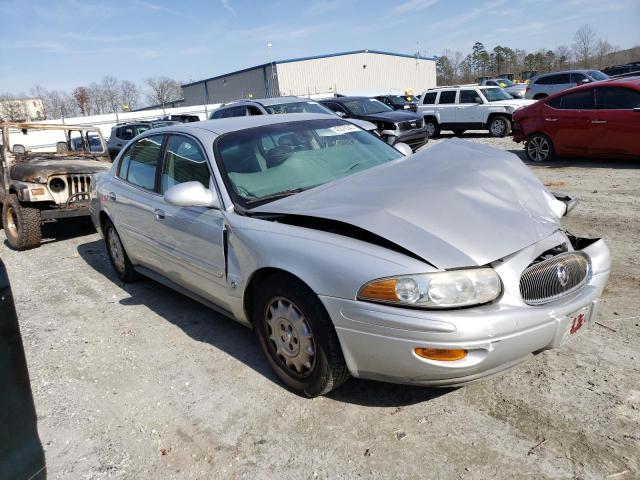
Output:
x,y
517,132
378,341
414,137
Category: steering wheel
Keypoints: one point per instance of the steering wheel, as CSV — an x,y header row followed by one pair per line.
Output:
x,y
278,155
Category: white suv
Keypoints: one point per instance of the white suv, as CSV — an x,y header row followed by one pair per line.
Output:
x,y
468,108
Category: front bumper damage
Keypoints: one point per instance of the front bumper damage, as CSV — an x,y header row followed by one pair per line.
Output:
x,y
378,341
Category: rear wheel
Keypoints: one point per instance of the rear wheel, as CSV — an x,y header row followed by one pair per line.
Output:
x,y
433,129
117,255
539,148
22,225
499,126
297,336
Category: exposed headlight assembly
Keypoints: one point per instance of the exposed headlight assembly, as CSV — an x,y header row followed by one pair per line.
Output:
x,y
452,289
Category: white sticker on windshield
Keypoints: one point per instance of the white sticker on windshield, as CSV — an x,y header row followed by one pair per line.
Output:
x,y
342,129
313,103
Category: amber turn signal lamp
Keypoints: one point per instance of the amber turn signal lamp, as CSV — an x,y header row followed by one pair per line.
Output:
x,y
382,290
441,354
37,191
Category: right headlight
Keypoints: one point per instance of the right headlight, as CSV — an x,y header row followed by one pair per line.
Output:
x,y
452,289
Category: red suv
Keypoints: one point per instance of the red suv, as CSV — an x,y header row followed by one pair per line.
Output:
x,y
600,119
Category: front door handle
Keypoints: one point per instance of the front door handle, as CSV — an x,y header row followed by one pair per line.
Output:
x,y
112,197
598,121
550,119
158,214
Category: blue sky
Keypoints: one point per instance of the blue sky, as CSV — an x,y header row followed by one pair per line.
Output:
x,y
66,43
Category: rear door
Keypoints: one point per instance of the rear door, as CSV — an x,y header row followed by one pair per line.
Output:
x,y
567,120
446,107
615,123
133,197
191,238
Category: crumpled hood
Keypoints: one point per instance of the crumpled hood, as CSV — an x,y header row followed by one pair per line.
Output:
x,y
30,170
456,204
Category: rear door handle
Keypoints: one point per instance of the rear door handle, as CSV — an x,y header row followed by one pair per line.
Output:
x,y
158,214
550,119
598,121
112,197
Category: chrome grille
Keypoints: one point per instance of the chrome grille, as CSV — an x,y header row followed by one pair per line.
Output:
x,y
410,125
79,184
551,279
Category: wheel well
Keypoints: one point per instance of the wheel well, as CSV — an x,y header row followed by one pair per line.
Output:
x,y
540,96
257,278
430,117
103,218
498,114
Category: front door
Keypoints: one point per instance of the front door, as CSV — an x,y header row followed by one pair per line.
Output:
x,y
615,123
191,238
568,119
470,109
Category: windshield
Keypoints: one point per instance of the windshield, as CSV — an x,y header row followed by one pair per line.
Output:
x,y
297,107
261,164
597,75
504,82
366,106
495,94
162,123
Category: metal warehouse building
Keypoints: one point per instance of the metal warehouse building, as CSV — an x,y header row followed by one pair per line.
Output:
x,y
347,72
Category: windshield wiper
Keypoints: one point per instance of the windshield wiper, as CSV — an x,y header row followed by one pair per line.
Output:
x,y
273,196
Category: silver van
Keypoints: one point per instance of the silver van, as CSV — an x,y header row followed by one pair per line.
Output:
x,y
544,85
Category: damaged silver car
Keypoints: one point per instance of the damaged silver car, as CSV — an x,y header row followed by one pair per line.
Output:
x,y
348,259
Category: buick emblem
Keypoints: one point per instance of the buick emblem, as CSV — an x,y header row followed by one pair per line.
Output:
x,y
563,275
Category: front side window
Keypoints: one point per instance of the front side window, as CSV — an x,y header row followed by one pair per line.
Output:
x,y
366,106
138,164
495,94
469,96
296,107
617,98
184,161
577,77
447,97
268,162
430,98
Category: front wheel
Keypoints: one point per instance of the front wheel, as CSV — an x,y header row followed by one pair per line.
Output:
x,y
297,336
433,129
499,126
22,225
539,148
117,255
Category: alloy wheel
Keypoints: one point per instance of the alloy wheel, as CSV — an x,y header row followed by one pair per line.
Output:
x,y
290,336
538,149
431,129
498,127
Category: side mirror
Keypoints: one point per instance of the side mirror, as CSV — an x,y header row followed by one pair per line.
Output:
x,y
19,149
191,194
403,148
585,80
478,100
341,114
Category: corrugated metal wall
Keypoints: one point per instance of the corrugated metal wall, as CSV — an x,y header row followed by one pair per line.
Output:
x,y
356,72
250,83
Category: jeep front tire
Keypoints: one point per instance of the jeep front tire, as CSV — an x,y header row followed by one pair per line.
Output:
x,y
22,225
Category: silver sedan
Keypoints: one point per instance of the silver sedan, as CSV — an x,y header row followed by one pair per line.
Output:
x,y
347,258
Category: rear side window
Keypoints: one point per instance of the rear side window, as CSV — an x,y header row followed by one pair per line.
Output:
x,y
184,161
239,111
544,80
617,98
582,100
447,97
139,163
561,79
430,98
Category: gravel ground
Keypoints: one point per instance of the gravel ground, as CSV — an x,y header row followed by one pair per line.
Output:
x,y
136,381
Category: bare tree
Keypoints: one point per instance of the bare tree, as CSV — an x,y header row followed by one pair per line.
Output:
x,y
603,50
129,95
563,58
96,99
81,98
40,92
11,108
584,44
163,90
111,93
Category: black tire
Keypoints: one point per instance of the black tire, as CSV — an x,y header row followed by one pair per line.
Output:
x,y
458,132
433,129
117,254
540,96
22,225
499,126
539,148
327,367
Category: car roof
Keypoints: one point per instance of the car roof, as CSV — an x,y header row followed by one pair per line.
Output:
x,y
627,82
268,101
344,99
232,124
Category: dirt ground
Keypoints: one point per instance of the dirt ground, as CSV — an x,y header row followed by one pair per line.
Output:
x,y
136,381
